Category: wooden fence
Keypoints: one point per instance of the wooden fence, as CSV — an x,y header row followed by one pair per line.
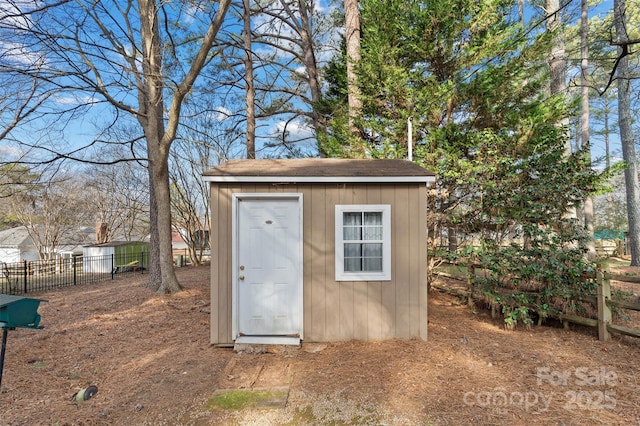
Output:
x,y
606,304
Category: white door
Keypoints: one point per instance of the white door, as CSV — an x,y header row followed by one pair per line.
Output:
x,y
269,276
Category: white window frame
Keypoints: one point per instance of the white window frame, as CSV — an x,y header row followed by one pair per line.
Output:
x,y
385,274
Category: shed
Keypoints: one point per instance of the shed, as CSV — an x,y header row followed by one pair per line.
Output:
x,y
318,249
105,257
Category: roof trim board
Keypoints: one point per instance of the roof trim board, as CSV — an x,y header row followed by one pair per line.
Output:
x,y
320,170
327,179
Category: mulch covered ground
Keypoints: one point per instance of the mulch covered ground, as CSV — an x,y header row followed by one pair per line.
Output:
x,y
150,358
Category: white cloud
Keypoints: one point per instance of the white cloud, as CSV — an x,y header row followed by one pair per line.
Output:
x,y
13,13
296,130
18,54
75,100
10,152
221,113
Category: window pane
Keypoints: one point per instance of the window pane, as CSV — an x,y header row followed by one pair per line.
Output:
x,y
373,218
372,250
372,264
372,233
372,257
352,219
352,226
372,226
351,233
352,265
352,257
352,250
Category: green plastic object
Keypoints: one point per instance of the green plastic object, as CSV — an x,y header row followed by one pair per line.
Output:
x,y
17,311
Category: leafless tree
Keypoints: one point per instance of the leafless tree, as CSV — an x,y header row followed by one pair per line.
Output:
x,y
51,213
208,138
281,77
136,59
117,197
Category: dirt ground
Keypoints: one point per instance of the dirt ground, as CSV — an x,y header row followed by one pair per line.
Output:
x,y
150,358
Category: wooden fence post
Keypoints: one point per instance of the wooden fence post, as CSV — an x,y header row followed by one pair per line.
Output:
x,y
604,311
25,271
470,284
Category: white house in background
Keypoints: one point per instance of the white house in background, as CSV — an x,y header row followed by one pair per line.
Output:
x,y
106,257
177,242
16,245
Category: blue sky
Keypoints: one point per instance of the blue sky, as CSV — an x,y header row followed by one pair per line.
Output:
x,y
85,127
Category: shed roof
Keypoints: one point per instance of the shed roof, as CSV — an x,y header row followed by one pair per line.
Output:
x,y
319,170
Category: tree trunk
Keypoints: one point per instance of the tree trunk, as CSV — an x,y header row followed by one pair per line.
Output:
x,y
557,66
586,145
352,38
557,62
160,172
155,277
250,91
310,64
626,134
304,30
607,148
151,118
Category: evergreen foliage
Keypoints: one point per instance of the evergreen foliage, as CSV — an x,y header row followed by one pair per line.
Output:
x,y
475,88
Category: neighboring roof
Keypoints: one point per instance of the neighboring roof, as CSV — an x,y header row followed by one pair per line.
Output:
x,y
72,240
14,237
116,243
319,170
610,234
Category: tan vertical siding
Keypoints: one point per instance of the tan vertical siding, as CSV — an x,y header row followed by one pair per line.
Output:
x,y
331,305
220,265
390,288
413,259
333,310
376,315
224,265
421,201
316,211
214,235
402,225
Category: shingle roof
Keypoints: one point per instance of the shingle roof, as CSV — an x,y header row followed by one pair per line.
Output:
x,y
114,244
320,169
14,237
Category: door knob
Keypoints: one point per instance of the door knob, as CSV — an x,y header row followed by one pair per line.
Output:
x,y
241,277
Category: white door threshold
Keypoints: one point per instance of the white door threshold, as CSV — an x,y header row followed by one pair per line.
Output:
x,y
267,340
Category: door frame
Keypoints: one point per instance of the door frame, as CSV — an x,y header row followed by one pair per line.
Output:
x,y
235,216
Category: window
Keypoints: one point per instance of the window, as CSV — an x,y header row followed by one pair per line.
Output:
x,y
363,242
201,240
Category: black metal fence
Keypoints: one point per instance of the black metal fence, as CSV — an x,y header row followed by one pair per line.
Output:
x,y
40,275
